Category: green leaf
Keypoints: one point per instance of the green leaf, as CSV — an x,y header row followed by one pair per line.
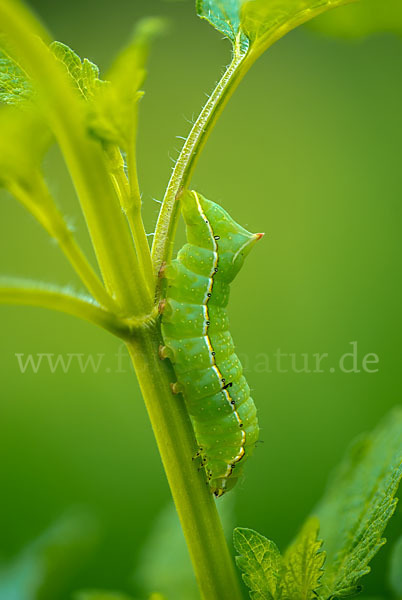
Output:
x,y
362,19
113,117
260,562
84,74
395,576
266,21
304,561
254,25
15,86
358,504
224,15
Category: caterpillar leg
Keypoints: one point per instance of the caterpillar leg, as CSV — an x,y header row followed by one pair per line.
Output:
x,y
176,388
162,351
161,306
162,270
198,453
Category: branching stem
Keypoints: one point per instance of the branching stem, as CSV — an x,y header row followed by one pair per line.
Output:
x,y
28,293
41,205
109,232
130,200
189,155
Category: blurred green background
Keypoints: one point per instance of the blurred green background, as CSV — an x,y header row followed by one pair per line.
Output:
x,y
308,150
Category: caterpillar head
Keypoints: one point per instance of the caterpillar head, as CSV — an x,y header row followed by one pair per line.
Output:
x,y
210,226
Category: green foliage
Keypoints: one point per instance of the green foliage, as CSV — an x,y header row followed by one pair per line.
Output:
x,y
361,19
361,498
15,86
395,575
111,105
353,515
255,25
264,22
42,570
358,504
304,562
84,73
113,115
260,562
224,15
296,576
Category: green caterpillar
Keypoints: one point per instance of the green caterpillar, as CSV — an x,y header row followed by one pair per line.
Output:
x,y
197,341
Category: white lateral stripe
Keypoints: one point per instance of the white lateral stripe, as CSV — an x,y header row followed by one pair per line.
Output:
x,y
240,249
207,339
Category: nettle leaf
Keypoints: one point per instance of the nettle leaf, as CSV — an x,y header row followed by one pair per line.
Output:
x,y
113,117
224,15
254,25
304,562
357,506
362,19
266,21
260,562
84,73
15,87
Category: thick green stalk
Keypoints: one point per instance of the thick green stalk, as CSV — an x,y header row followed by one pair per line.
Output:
x,y
107,226
167,221
195,505
134,217
130,200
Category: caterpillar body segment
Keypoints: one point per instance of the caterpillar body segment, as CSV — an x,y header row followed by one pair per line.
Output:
x,y
195,330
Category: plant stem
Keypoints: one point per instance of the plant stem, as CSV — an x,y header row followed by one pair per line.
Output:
x,y
42,206
29,293
130,200
135,218
184,167
195,505
66,114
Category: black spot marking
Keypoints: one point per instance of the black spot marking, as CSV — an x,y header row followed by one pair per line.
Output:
x,y
209,295
217,237
207,322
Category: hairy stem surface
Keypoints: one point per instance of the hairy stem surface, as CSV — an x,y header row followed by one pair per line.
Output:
x,y
184,167
33,294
